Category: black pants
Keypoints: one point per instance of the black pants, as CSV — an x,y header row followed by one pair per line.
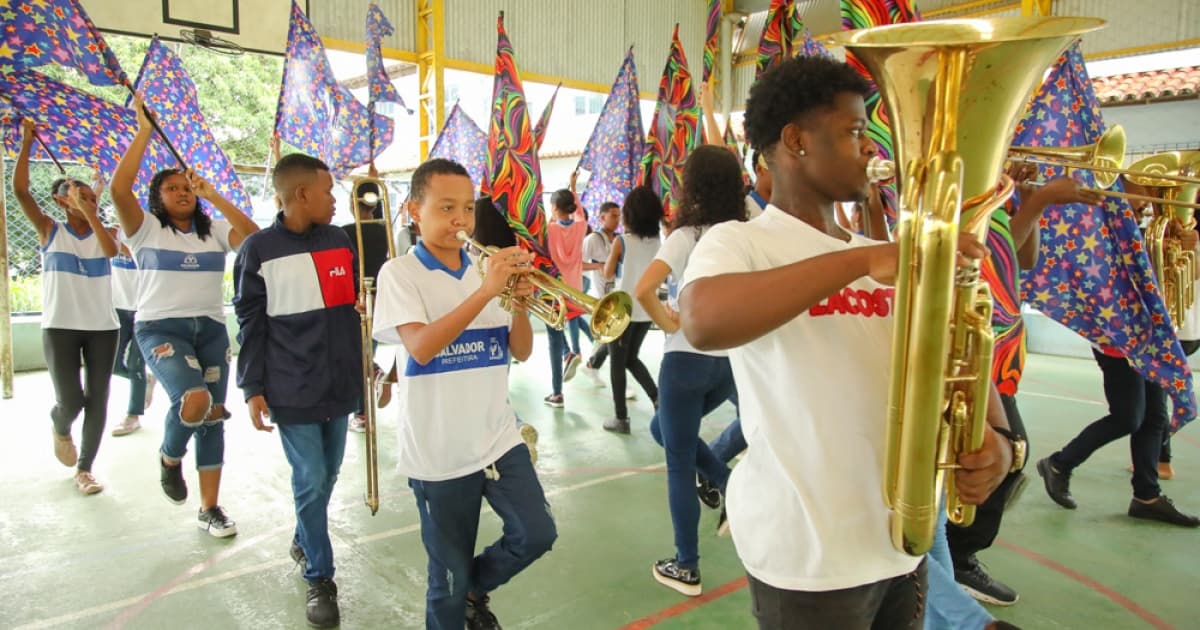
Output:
x,y
625,357
66,351
967,541
894,604
1137,408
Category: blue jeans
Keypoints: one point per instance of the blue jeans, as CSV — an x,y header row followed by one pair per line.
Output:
x,y
315,453
950,607
558,349
730,443
188,354
690,386
130,364
449,513
576,325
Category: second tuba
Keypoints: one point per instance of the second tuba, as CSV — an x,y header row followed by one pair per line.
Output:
x,y
954,90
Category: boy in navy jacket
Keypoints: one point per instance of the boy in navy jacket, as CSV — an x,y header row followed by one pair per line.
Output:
x,y
301,354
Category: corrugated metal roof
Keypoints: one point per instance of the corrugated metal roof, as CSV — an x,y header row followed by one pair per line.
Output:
x,y
347,21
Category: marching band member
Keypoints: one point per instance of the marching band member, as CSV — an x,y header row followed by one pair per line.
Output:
x,y
459,449
301,355
78,321
180,253
804,506
691,383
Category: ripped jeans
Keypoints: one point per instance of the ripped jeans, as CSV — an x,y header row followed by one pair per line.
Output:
x,y
190,357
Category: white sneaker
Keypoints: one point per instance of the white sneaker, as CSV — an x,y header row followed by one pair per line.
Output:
x,y
530,435
630,394
592,375
570,366
127,426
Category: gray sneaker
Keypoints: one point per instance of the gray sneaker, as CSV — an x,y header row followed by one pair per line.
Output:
x,y
216,522
127,426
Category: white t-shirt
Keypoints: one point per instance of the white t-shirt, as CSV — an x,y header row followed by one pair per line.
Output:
x,y
124,282
637,254
454,413
181,275
805,505
674,253
754,205
596,248
76,287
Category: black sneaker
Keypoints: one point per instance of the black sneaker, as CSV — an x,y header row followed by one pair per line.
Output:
x,y
978,584
216,522
617,425
322,607
172,481
668,573
1058,484
709,494
479,616
297,554
1163,510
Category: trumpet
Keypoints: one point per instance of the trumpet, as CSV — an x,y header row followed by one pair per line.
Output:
x,y
367,291
610,315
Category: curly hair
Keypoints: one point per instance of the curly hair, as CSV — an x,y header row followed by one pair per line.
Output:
x,y
793,89
642,212
200,218
712,189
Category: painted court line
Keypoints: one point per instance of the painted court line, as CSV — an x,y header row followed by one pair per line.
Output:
x,y
133,606
689,604
1126,603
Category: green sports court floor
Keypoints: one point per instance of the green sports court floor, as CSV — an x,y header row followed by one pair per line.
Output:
x,y
127,558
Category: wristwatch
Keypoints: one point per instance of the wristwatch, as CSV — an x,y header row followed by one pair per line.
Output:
x,y
1019,448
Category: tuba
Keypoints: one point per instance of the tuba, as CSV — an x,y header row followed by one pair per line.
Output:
x,y
954,90
1171,178
366,289
610,315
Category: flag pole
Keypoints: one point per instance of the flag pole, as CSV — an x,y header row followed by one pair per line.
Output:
x,y
6,339
45,148
161,134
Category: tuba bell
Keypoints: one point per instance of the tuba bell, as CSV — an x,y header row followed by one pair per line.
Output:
x,y
954,90
359,194
1167,176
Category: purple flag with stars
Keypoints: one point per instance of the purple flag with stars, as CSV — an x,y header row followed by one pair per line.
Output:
x,y
381,90
40,32
75,126
464,142
171,95
315,113
1093,274
613,154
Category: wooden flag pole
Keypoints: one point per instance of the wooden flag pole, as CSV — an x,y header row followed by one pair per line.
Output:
x,y
161,134
6,340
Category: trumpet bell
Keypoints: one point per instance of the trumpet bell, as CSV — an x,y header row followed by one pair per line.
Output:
x,y
611,316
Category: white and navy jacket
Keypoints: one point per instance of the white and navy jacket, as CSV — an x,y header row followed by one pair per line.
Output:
x,y
300,334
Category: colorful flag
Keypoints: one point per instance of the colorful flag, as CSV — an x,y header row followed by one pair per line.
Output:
x,y
40,32
169,92
543,123
731,143
712,44
381,88
73,124
858,14
613,154
808,47
1093,274
674,130
315,113
516,174
775,45
464,142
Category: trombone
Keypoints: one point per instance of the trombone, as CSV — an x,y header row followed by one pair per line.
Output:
x,y
610,315
1105,158
367,290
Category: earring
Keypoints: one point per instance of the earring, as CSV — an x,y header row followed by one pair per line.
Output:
x,y
803,152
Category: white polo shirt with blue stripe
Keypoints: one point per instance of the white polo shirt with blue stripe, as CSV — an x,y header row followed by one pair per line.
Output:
x,y
76,282
181,275
454,414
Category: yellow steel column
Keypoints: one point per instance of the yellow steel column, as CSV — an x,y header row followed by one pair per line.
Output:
x,y
431,68
1036,7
